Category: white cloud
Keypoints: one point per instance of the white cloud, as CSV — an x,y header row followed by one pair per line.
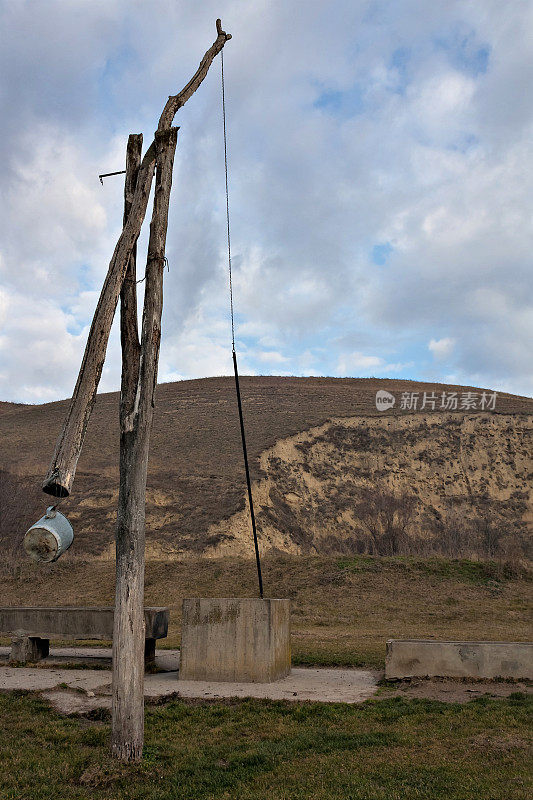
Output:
x,y
441,348
36,348
353,364
271,357
425,145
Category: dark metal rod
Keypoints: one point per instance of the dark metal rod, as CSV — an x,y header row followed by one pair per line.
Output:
x,y
108,174
248,482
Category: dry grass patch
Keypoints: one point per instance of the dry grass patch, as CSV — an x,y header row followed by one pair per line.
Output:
x,y
343,609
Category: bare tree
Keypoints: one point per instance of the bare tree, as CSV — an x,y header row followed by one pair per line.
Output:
x,y
386,516
454,535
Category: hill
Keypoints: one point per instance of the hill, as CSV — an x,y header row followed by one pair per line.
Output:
x,y
331,473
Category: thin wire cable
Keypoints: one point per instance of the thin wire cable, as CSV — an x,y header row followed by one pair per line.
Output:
x,y
234,354
227,203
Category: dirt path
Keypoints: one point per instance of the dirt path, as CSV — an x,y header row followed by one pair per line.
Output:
x,y
449,690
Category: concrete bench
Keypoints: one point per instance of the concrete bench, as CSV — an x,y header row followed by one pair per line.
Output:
x,y
427,658
32,628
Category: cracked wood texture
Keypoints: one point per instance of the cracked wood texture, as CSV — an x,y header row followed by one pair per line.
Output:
x,y
136,417
128,619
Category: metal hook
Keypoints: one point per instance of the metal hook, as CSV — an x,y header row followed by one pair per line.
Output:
x,y
108,174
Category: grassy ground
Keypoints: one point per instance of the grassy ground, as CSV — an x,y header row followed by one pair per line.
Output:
x,y
343,609
382,750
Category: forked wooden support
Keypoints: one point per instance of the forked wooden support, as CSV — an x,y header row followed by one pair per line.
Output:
x,y
136,414
139,379
60,475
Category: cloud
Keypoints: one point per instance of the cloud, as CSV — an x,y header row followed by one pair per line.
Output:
x,y
271,357
380,181
441,348
354,364
35,345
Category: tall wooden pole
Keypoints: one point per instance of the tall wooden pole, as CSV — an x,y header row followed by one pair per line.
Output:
x,y
136,417
128,633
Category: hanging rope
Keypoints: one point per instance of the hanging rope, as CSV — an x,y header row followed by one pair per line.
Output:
x,y
227,202
234,354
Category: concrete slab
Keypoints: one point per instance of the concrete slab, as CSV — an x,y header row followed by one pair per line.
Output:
x,y
75,623
34,679
321,685
428,658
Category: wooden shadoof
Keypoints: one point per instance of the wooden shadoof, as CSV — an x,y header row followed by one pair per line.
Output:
x,y
138,382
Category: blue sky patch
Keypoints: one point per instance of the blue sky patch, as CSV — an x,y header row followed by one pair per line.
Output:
x,y
380,253
465,52
400,62
341,104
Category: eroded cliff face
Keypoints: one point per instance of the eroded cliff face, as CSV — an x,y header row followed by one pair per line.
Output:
x,y
460,469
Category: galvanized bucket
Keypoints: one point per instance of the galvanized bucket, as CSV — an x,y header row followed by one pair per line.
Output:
x,y
49,537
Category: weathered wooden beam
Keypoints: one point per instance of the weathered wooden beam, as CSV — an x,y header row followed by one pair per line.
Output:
x,y
129,334
136,419
60,476
58,481
176,101
153,298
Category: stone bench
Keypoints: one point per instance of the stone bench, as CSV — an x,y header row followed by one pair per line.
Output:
x,y
32,628
428,658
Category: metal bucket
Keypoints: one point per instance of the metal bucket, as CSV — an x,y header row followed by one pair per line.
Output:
x,y
49,537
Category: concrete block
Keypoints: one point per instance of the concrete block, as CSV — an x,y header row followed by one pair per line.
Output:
x,y
235,639
75,623
28,648
421,658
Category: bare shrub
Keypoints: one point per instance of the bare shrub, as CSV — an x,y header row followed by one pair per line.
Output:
x,y
489,534
512,556
454,535
387,517
478,531
20,506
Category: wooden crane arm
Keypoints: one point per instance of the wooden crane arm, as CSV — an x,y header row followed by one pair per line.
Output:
x,y
60,475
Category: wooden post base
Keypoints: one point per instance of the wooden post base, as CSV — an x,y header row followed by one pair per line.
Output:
x,y
149,653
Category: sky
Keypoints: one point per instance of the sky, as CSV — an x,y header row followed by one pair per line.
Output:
x,y
380,176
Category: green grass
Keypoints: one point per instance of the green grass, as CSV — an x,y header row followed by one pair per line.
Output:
x,y
331,657
463,570
381,750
